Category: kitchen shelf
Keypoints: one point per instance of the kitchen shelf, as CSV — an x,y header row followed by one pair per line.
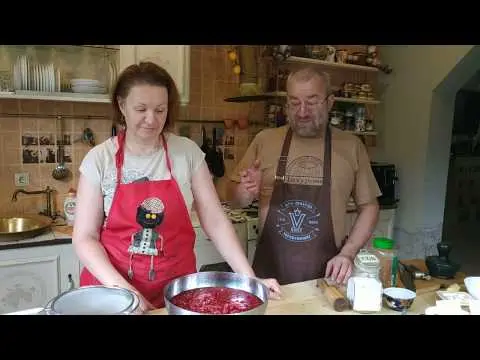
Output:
x,y
56,96
364,133
280,94
100,62
248,98
302,60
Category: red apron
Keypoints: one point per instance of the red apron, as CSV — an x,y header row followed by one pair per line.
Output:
x,y
147,235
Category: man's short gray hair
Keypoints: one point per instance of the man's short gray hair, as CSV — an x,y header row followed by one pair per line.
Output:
x,y
309,72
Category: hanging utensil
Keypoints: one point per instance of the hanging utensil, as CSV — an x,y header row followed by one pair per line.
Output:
x,y
218,165
88,137
61,172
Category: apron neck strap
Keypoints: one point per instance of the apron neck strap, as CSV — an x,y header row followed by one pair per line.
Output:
x,y
282,162
120,154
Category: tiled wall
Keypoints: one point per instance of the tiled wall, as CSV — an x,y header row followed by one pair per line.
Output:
x,y
23,138
211,81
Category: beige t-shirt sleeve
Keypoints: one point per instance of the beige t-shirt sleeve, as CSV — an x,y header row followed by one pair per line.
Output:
x,y
366,189
93,164
247,160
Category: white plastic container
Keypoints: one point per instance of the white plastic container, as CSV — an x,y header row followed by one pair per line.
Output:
x,y
69,206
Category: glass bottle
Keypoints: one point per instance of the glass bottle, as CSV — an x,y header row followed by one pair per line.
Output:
x,y
384,249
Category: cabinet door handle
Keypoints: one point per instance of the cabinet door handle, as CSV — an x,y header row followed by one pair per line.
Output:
x,y
71,284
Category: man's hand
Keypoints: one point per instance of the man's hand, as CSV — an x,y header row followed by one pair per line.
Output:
x,y
250,179
273,287
339,268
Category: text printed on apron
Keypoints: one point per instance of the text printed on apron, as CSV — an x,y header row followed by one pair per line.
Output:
x,y
297,239
147,235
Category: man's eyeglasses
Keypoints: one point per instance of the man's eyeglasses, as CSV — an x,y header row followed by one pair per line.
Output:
x,y
295,105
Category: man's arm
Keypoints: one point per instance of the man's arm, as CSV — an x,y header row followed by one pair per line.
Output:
x,y
365,194
362,229
238,194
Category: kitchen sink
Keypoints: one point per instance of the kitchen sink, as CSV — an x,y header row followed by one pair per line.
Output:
x,y
23,227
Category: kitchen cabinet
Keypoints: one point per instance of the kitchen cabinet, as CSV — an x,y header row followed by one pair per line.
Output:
x,y
174,58
206,252
32,276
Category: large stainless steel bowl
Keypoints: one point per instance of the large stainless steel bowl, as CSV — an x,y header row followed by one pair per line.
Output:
x,y
215,279
23,227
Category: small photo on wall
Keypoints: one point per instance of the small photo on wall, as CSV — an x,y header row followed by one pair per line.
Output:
x,y
30,155
29,139
229,140
228,153
47,154
46,139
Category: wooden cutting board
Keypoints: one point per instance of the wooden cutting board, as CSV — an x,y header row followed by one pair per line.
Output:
x,y
425,286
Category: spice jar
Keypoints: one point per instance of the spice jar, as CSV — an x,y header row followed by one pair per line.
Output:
x,y
364,288
385,250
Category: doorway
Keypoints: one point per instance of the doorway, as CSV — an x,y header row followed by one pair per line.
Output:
x,y
461,225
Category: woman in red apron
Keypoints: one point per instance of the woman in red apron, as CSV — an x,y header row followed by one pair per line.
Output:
x,y
147,238
148,235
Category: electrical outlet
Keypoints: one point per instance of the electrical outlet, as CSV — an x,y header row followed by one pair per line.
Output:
x,y
21,179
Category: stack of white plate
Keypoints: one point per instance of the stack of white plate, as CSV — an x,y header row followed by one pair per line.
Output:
x,y
27,75
87,86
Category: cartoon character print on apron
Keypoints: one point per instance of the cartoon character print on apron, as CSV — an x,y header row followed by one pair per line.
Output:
x,y
297,239
148,234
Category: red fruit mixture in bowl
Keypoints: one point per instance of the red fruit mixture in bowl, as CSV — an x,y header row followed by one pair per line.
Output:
x,y
216,300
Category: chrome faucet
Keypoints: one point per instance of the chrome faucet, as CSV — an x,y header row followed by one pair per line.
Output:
x,y
48,191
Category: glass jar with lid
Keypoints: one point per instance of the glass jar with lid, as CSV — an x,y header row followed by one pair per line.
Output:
x,y
366,264
364,287
384,249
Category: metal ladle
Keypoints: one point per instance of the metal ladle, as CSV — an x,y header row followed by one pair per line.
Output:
x,y
61,172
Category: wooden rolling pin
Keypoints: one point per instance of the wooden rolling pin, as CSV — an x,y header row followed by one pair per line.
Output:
x,y
334,297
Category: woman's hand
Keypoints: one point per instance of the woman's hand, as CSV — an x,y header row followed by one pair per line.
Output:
x,y
144,305
273,287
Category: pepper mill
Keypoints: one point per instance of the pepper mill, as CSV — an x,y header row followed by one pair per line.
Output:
x,y
444,250
440,266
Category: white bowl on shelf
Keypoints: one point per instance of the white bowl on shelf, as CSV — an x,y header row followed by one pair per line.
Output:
x,y
87,82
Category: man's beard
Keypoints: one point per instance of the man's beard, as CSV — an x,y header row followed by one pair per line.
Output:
x,y
312,128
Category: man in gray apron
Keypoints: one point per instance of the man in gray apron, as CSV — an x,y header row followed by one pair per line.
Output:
x,y
299,173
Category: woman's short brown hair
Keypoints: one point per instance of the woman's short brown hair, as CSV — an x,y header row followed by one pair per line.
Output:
x,y
145,73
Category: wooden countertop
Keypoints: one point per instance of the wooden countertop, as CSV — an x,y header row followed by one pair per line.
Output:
x,y
305,298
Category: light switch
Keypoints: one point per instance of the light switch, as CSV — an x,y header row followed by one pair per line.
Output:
x,y
22,179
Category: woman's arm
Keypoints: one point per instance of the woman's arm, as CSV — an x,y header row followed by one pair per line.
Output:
x,y
86,234
215,222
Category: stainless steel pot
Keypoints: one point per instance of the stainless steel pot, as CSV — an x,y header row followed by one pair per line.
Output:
x,y
94,300
215,279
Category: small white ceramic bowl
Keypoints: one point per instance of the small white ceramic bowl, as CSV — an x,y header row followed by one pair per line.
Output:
x,y
472,283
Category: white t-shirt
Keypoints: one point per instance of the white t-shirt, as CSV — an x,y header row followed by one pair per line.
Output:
x,y
98,166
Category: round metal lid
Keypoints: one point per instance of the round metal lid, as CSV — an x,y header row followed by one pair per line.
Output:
x,y
93,300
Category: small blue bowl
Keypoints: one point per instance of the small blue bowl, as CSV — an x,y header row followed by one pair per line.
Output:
x,y
398,299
